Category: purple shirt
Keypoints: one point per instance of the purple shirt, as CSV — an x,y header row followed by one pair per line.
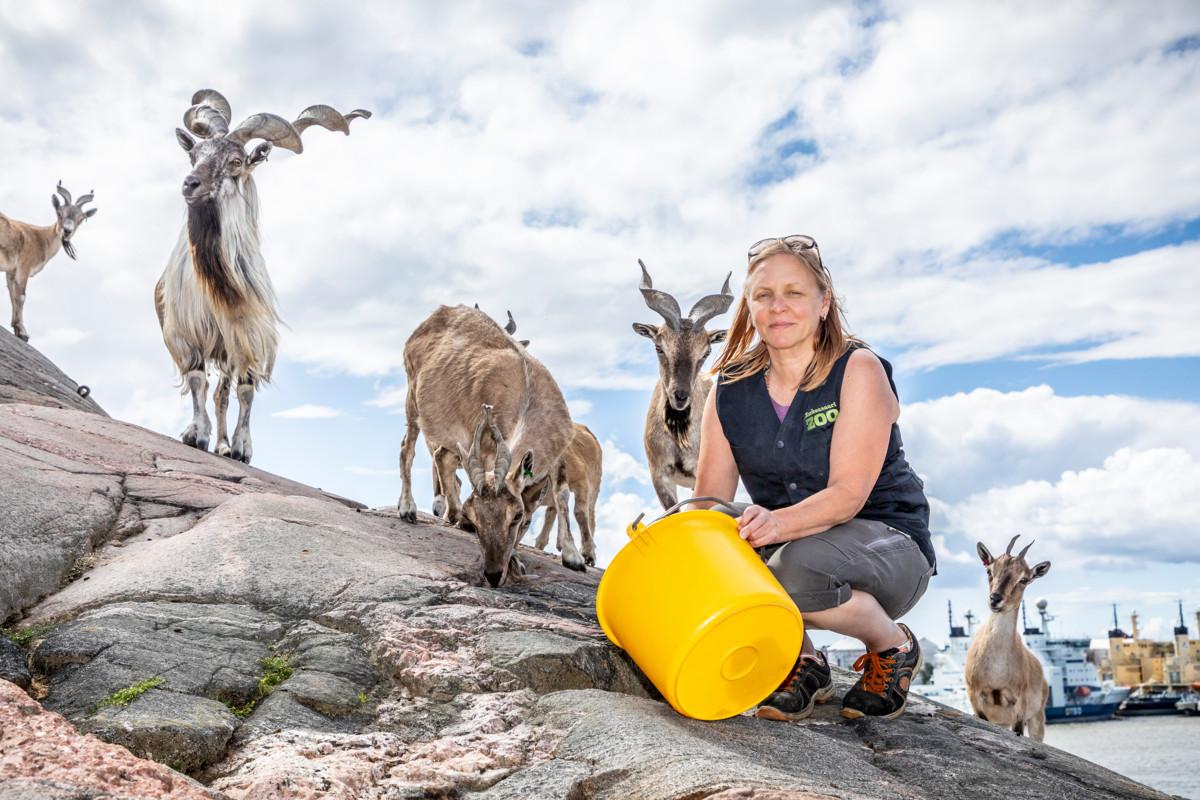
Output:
x,y
780,409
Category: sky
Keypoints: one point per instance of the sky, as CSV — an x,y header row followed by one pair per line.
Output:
x,y
1005,195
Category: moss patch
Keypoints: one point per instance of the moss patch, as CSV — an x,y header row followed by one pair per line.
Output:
x,y
131,693
25,636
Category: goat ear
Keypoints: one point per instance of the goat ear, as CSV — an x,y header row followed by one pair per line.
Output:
x,y
649,331
185,139
524,342
57,203
1040,569
91,212
716,337
984,555
260,154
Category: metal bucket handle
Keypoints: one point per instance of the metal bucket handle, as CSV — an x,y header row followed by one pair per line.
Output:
x,y
732,509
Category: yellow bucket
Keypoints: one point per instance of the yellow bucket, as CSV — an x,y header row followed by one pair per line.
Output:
x,y
700,614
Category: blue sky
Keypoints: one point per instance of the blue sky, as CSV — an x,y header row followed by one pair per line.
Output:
x,y
1008,199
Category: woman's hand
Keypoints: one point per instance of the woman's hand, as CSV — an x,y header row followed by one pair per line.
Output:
x,y
759,527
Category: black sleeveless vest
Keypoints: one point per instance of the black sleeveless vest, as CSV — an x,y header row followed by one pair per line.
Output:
x,y
780,464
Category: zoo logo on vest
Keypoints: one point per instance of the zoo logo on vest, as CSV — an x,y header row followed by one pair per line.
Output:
x,y
820,417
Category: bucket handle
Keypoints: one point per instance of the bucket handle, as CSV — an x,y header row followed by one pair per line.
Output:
x,y
732,509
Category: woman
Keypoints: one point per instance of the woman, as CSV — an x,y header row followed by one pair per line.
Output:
x,y
806,416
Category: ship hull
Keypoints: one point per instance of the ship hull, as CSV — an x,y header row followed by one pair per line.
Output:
x,y
1089,712
1145,708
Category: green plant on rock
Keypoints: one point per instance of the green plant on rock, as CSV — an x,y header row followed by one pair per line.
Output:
x,y
25,636
242,711
276,671
362,698
130,693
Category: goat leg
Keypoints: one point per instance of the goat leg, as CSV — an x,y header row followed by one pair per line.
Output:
x,y
16,294
543,538
196,435
242,449
221,405
407,507
585,510
571,558
664,487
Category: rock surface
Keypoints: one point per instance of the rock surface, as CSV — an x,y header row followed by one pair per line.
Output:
x,y
275,642
42,757
26,376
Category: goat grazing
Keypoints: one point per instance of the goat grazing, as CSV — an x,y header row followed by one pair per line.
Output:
x,y
215,302
672,435
25,249
1005,683
445,462
468,377
580,471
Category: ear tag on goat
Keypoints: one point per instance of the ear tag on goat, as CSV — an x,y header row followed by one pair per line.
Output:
x,y
528,473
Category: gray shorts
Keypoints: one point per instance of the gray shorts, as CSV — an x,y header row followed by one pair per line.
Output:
x,y
819,571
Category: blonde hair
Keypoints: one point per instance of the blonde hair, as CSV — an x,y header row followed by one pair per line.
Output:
x,y
744,356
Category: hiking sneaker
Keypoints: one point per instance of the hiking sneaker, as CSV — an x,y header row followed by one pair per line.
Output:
x,y
882,691
809,683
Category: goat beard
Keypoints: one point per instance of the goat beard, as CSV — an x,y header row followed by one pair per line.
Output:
x,y
208,255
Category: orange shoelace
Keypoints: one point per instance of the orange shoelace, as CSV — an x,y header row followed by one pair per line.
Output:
x,y
878,671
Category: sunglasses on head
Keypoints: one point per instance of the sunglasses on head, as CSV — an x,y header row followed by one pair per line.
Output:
x,y
797,241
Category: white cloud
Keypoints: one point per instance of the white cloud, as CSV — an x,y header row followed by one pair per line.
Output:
x,y
1139,504
390,397
986,438
620,466
579,407
309,411
613,514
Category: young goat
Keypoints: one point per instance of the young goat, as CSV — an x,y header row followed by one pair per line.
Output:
x,y
580,473
25,249
1005,683
672,434
215,302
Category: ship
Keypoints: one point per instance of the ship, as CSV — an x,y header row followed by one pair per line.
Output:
x,y
1077,694
1151,698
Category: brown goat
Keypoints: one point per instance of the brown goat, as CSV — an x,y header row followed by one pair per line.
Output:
x,y
26,249
672,432
580,472
1005,683
468,378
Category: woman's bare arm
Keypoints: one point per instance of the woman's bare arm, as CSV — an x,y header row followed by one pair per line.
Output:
x,y
716,471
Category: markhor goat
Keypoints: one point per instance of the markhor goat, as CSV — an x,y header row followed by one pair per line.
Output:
x,y
215,301
25,249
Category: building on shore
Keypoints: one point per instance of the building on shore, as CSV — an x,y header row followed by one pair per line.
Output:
x,y
1132,661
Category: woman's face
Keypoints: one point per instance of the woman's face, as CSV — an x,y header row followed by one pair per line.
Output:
x,y
785,302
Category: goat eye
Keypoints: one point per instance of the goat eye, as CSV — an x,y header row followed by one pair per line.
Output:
x,y
237,162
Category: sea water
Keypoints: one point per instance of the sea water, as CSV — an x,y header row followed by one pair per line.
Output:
x,y
1161,752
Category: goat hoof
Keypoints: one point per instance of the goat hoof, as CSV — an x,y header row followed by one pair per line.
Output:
x,y
590,560
237,455
578,566
24,337
439,506
223,449
201,444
